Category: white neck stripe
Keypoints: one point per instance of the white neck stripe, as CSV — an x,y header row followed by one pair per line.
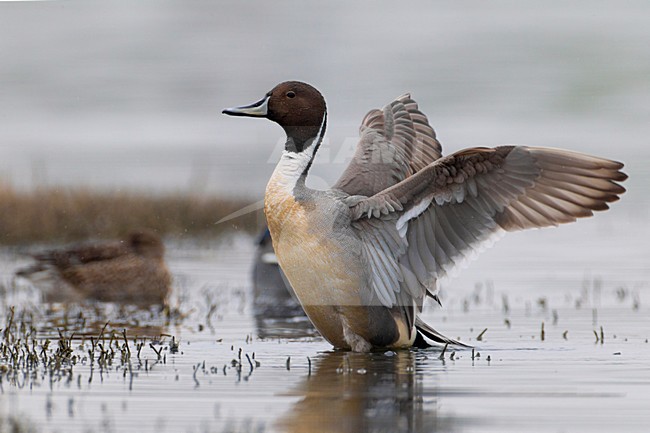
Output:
x,y
292,165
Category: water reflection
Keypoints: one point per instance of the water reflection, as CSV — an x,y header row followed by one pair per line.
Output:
x,y
371,392
83,320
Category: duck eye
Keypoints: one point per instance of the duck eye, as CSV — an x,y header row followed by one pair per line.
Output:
x,y
291,94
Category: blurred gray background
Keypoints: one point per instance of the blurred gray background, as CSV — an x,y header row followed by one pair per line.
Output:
x,y
128,94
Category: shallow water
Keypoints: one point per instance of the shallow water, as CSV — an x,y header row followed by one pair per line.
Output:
x,y
225,377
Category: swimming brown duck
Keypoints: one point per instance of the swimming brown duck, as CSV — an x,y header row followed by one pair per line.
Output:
x,y
132,270
362,256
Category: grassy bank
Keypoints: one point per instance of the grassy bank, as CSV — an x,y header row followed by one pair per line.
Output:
x,y
63,214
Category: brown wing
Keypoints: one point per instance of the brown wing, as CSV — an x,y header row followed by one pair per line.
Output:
x,y
81,254
395,143
521,187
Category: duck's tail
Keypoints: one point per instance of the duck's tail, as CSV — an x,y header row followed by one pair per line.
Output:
x,y
424,330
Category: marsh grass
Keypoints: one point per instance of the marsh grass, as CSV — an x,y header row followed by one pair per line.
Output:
x,y
27,354
52,214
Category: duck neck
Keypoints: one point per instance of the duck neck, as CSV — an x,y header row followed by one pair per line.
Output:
x,y
296,160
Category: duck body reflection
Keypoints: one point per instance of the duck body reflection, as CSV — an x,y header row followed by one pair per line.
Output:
x,y
365,392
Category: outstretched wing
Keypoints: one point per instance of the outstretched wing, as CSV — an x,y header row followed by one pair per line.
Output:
x,y
444,214
394,143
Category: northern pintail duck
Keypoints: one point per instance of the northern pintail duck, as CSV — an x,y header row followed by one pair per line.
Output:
x,y
130,271
363,255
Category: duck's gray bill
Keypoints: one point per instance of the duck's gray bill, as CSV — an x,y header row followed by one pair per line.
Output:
x,y
258,109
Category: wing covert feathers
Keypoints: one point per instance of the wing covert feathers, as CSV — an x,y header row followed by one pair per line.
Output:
x,y
520,187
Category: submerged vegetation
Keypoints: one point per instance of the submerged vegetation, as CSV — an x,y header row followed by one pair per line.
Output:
x,y
55,214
